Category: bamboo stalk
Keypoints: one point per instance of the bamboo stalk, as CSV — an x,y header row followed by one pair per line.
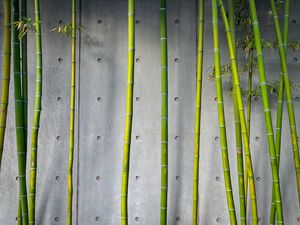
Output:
x,y
129,111
6,73
236,83
288,93
221,114
72,114
164,112
267,112
238,135
37,113
198,109
19,120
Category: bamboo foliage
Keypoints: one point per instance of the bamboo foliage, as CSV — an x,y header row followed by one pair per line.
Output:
x,y
37,114
289,98
19,120
266,105
72,114
238,135
236,83
198,109
164,112
221,114
129,112
6,73
280,106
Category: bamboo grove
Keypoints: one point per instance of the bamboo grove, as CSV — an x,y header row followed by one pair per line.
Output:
x,y
239,22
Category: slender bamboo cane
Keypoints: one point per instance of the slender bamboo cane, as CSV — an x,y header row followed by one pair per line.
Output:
x,y
164,112
223,136
19,217
238,134
37,113
267,112
198,109
129,111
72,114
19,119
286,82
6,73
236,83
280,106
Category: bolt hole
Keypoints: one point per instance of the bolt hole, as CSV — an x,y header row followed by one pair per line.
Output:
x,y
137,99
176,99
59,99
177,177
99,60
98,178
216,99
56,219
177,21
98,138
297,98
60,60
97,218
218,220
137,178
137,219
295,59
138,60
17,178
60,22
99,21
258,179
177,138
176,60
257,138
177,218
57,178
294,21
217,178
99,99
216,138
137,22
58,138
137,137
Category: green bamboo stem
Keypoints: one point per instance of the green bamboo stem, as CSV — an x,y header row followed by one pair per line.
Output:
x,y
236,83
19,217
198,110
280,107
222,125
164,112
19,119
37,113
129,111
6,73
267,112
72,114
238,134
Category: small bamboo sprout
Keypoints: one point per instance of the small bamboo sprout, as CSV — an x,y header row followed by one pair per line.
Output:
x,y
238,134
6,74
72,115
37,114
19,121
221,114
164,113
129,111
267,112
236,83
198,109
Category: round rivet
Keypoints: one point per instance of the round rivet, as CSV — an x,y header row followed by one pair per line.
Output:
x,y
60,60
177,138
99,99
58,138
60,22
217,178
137,137
296,98
57,178
258,179
98,138
137,22
256,138
99,60
59,99
218,220
216,138
99,21
98,178
177,218
137,219
176,60
177,21
97,218
137,177
137,99
295,59
56,219
294,21
177,177
176,99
